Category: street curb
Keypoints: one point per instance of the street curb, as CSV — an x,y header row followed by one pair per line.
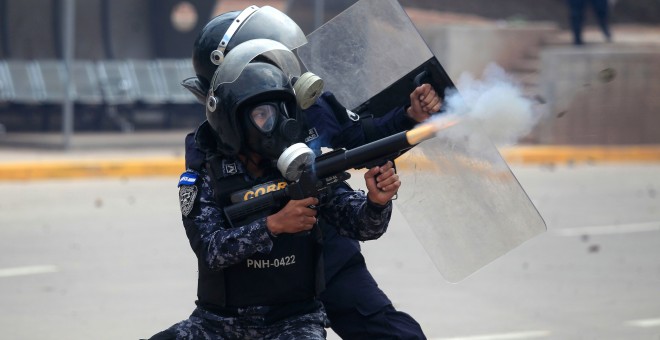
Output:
x,y
173,166
63,169
581,154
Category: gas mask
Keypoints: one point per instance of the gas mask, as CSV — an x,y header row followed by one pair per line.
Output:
x,y
269,130
254,98
272,134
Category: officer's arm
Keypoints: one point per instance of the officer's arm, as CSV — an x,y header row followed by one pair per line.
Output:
x,y
352,134
330,126
394,121
355,216
336,127
422,104
211,237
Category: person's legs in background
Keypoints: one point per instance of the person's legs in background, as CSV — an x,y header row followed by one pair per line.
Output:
x,y
601,9
576,10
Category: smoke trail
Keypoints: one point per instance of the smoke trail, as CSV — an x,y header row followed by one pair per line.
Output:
x,y
494,107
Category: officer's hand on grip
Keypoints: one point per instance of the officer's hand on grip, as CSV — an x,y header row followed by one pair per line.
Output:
x,y
423,102
296,216
382,183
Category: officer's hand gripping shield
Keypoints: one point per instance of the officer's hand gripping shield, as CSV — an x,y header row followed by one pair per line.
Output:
x,y
458,194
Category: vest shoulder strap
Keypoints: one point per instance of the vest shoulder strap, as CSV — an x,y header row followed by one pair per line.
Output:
x,y
224,186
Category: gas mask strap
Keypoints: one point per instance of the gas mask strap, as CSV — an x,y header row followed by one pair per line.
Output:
x,y
218,55
211,100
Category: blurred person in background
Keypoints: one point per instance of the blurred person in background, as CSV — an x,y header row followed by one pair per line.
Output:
x,y
577,15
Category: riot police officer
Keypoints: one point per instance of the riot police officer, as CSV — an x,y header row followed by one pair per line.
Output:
x,y
357,308
260,274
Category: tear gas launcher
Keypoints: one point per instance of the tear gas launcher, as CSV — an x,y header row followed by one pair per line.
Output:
x,y
311,176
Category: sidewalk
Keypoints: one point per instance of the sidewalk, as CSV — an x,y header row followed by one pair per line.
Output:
x,y
38,156
161,154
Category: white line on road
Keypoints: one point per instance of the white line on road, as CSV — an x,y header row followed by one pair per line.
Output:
x,y
609,229
644,323
28,270
502,336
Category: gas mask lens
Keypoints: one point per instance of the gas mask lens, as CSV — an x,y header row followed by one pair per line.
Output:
x,y
264,117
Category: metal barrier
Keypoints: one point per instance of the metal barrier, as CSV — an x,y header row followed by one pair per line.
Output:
x,y
173,72
6,85
108,94
117,82
23,83
180,102
86,85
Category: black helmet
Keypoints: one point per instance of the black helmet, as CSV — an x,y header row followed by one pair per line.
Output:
x,y
207,41
230,29
259,82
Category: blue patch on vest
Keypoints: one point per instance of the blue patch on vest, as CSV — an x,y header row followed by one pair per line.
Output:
x,y
188,178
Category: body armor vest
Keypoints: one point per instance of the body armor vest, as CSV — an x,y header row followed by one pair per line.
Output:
x,y
292,272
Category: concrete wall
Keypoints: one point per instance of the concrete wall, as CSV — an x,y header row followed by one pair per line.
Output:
x,y
604,94
33,22
105,29
471,48
130,33
596,94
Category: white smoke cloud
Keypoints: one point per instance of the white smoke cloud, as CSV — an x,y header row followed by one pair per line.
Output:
x,y
493,106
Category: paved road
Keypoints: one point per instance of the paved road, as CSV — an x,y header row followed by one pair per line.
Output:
x,y
108,259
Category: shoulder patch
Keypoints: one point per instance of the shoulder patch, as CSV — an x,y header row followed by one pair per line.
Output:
x,y
188,178
187,195
187,191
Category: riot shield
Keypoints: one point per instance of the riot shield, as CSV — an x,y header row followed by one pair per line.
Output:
x,y
371,57
463,202
458,195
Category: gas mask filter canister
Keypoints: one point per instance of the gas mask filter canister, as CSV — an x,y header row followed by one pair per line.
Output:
x,y
294,160
308,87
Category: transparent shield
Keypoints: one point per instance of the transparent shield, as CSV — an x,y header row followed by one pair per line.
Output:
x,y
364,50
244,53
463,202
458,195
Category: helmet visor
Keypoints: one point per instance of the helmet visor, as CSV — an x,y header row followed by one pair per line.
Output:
x,y
264,117
240,56
269,23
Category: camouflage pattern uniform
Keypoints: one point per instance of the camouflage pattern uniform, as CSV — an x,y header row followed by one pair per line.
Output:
x,y
220,246
206,325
